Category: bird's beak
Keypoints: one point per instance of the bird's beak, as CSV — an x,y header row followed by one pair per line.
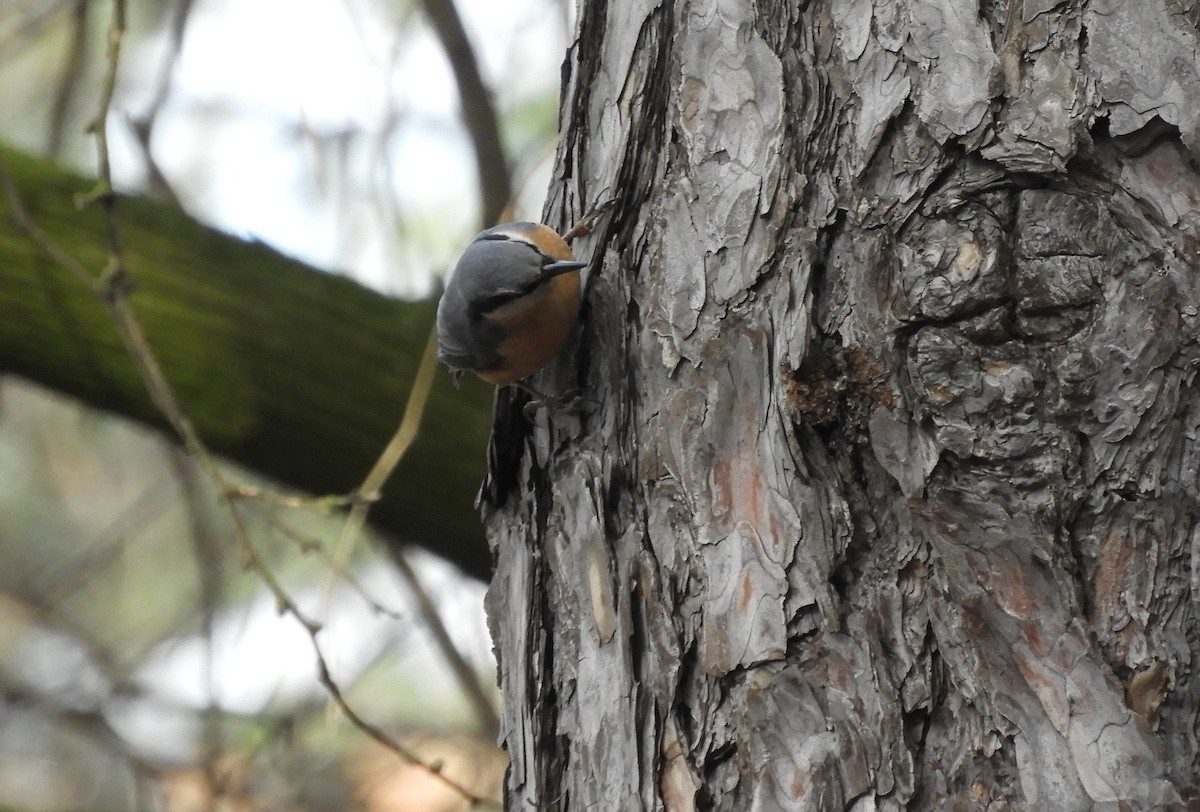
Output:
x,y
562,266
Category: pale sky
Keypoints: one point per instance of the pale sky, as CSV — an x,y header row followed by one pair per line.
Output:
x,y
328,67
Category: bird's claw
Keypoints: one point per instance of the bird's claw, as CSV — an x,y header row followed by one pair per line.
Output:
x,y
588,221
571,402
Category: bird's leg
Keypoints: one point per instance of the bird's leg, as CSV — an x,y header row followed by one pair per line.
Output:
x,y
588,221
537,396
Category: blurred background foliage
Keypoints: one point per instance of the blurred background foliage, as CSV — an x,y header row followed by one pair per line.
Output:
x,y
142,665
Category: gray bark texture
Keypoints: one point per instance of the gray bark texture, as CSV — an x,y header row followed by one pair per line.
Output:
x,y
883,490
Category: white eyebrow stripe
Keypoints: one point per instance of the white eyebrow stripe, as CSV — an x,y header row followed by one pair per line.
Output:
x,y
515,235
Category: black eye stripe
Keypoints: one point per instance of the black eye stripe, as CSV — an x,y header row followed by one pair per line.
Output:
x,y
487,305
490,303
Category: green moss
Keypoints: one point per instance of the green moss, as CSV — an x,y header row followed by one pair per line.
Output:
x,y
292,372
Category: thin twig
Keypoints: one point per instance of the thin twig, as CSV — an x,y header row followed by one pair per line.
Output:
x,y
397,447
113,283
143,125
385,740
287,606
25,223
368,493
72,72
308,545
324,505
485,711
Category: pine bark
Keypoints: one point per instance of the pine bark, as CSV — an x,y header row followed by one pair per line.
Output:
x,y
882,489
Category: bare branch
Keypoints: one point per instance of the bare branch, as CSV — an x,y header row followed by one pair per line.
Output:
x,y
361,501
485,710
388,742
71,74
406,432
143,125
479,114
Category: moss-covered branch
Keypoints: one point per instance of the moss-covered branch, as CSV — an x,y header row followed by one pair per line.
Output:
x,y
292,372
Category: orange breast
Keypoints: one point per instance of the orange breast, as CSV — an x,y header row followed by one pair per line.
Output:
x,y
537,326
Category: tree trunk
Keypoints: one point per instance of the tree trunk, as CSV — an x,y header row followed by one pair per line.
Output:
x,y
883,489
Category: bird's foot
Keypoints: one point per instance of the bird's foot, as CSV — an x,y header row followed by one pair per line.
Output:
x,y
571,402
588,221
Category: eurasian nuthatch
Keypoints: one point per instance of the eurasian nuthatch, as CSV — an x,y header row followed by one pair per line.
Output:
x,y
510,303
